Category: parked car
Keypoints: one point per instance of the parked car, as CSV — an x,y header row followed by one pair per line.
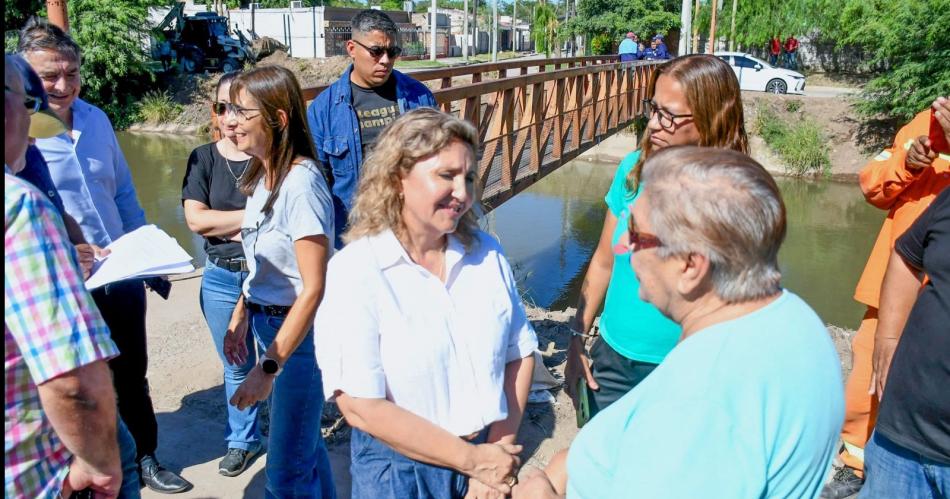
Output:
x,y
755,74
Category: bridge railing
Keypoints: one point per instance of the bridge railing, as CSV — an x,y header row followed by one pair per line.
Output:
x,y
531,124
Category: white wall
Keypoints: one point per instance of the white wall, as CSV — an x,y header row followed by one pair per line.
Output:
x,y
305,27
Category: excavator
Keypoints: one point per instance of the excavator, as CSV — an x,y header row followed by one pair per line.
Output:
x,y
203,41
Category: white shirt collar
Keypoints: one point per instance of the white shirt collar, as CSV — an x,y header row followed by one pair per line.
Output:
x,y
390,252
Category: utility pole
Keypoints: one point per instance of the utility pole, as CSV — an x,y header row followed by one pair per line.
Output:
x,y
494,30
475,41
514,27
732,27
432,21
465,31
686,25
695,44
56,13
712,27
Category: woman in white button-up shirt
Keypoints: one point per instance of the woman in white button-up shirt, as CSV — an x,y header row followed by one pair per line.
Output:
x,y
421,336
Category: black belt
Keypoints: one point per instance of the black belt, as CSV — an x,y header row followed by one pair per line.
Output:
x,y
271,310
232,264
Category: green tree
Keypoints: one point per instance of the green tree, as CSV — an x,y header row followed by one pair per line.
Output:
x,y
113,36
911,41
757,21
16,12
544,29
614,18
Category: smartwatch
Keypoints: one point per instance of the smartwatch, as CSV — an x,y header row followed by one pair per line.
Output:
x,y
270,366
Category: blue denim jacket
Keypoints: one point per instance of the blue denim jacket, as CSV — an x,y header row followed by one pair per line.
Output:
x,y
336,135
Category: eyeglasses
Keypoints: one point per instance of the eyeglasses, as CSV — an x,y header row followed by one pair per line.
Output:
x,y
376,51
31,103
241,112
666,119
636,240
222,108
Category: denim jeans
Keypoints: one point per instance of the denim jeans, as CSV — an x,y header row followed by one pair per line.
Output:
x,y
379,472
298,464
131,488
893,471
220,290
790,62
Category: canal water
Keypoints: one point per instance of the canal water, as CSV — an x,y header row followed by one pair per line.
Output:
x,y
550,230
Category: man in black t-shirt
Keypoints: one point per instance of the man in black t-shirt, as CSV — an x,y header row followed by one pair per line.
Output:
x,y
346,118
909,452
375,109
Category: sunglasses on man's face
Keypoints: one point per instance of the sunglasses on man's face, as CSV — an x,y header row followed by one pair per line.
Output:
x,y
376,51
31,103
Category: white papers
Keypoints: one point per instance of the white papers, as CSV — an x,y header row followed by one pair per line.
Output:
x,y
145,252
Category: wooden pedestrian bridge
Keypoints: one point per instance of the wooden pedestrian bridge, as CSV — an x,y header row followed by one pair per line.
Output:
x,y
535,115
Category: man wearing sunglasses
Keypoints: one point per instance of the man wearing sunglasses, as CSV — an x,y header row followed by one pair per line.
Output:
x,y
347,117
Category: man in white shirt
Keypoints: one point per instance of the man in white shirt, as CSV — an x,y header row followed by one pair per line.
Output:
x,y
91,174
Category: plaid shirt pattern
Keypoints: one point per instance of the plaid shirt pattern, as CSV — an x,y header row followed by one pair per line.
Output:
x,y
51,327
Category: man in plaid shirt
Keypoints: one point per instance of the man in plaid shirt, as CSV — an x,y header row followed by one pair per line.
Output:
x,y
59,405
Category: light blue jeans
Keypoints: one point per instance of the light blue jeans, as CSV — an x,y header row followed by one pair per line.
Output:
x,y
892,471
220,290
298,464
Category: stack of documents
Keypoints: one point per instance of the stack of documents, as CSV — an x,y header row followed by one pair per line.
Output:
x,y
145,252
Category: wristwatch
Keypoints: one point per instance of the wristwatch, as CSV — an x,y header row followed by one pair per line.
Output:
x,y
270,366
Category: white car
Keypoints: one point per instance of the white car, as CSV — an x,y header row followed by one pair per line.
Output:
x,y
755,74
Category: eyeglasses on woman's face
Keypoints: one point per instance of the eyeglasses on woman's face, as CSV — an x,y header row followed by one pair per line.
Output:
x,y
666,119
244,114
222,108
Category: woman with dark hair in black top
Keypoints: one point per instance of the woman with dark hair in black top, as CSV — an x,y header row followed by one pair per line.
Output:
x,y
214,208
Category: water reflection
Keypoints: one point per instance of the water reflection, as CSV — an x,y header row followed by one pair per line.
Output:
x,y
158,166
550,230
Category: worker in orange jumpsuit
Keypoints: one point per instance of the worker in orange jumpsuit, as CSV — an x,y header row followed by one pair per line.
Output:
x,y
903,179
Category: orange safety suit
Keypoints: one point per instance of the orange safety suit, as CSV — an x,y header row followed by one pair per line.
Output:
x,y
888,184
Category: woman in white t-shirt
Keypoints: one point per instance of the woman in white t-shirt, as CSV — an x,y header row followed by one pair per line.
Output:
x,y
286,232
422,336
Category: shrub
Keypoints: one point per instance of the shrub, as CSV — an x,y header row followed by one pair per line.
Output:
x,y
156,108
793,105
800,144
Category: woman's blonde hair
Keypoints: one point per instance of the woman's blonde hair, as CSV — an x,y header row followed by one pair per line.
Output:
x,y
712,93
413,137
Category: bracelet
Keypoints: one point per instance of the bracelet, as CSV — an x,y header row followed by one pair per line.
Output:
x,y
576,333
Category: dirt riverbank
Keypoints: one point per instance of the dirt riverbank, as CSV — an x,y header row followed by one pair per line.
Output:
x,y
187,391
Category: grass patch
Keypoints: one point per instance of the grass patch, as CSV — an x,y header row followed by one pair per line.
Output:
x,y
800,143
419,64
793,105
487,57
156,108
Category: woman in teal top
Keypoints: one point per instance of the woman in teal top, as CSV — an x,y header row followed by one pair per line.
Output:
x,y
692,100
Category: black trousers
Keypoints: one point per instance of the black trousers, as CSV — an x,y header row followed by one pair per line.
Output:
x,y
615,374
122,305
